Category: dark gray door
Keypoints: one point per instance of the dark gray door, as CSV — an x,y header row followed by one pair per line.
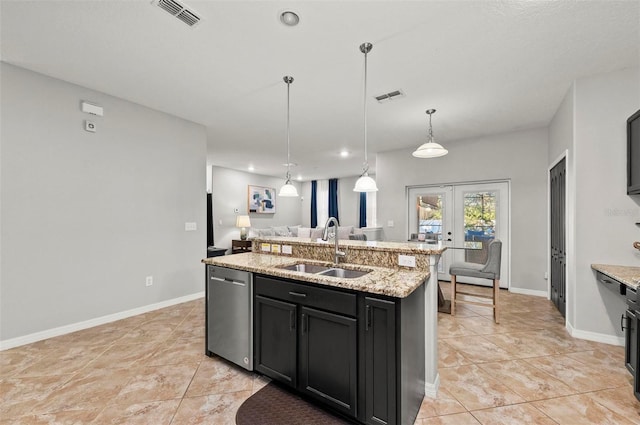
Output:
x,y
558,235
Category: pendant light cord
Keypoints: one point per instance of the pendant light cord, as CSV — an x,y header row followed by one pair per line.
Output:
x,y
288,80
366,161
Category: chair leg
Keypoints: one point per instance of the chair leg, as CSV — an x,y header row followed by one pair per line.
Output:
x,y
496,294
453,295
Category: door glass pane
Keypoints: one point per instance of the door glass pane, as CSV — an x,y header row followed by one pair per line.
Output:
x,y
430,213
479,224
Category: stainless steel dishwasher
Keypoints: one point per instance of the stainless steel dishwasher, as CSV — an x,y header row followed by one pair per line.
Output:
x,y
229,315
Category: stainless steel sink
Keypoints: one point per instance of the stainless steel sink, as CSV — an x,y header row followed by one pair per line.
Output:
x,y
343,273
326,270
306,268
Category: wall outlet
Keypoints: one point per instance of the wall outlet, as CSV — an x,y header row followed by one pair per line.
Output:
x,y
407,260
190,226
546,275
148,281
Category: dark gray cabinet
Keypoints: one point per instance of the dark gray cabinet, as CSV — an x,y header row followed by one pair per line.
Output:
x,y
632,331
380,361
306,337
328,358
360,354
275,339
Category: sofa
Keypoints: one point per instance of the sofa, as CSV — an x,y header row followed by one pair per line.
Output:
x,y
301,232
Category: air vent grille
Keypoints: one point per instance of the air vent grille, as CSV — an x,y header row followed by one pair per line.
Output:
x,y
180,11
396,94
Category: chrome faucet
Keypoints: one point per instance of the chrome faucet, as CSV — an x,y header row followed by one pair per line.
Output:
x,y
325,236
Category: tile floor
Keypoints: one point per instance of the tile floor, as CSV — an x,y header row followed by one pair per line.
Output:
x,y
150,369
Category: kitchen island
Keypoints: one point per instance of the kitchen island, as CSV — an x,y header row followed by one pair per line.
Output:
x,y
401,298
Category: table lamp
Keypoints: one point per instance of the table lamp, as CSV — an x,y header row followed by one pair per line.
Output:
x,y
243,222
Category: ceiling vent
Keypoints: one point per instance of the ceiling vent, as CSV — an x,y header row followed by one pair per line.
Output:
x,y
180,11
390,96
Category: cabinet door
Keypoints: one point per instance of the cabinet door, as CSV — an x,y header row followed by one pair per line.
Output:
x,y
632,349
275,339
380,361
328,358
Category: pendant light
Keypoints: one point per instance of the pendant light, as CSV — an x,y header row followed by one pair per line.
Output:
x,y
430,149
288,189
365,183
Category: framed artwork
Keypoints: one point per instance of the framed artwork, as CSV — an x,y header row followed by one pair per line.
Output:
x,y
262,200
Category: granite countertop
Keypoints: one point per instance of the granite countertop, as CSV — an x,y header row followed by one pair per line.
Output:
x,y
394,282
630,276
421,248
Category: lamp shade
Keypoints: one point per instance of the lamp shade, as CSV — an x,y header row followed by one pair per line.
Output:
x,y
243,221
288,190
430,150
365,184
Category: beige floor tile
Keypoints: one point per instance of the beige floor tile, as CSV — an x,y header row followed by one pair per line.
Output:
x,y
517,414
123,356
620,400
523,344
177,352
449,356
155,383
579,376
478,349
154,412
17,359
216,376
18,395
609,359
476,389
449,327
68,417
457,419
580,409
85,392
443,404
527,381
152,331
219,409
69,359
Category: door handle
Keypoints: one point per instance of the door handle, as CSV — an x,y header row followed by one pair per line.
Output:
x,y
292,321
225,280
297,294
367,321
304,323
622,327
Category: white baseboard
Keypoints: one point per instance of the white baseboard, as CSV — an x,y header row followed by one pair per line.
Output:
x,y
66,329
431,389
533,292
594,336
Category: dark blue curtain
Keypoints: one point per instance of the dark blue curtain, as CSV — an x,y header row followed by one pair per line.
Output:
x,y
363,209
333,198
314,204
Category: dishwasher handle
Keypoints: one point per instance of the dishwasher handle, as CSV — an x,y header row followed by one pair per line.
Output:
x,y
227,280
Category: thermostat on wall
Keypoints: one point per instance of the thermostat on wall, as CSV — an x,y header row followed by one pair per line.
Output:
x,y
90,126
92,109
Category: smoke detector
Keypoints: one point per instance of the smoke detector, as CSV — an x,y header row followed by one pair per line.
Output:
x,y
184,13
396,94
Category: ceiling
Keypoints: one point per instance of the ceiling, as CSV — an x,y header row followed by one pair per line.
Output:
x,y
486,66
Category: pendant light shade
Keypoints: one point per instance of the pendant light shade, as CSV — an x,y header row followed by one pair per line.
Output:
x,y
430,149
288,190
365,183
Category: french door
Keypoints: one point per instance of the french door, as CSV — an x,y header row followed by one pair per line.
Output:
x,y
557,191
466,217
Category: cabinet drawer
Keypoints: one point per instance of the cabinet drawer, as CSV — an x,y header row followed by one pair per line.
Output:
x,y
312,296
632,299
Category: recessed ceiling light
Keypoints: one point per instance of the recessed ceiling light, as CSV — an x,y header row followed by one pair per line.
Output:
x,y
251,168
299,177
344,153
291,164
289,18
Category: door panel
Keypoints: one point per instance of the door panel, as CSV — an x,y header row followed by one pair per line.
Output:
x,y
557,193
466,217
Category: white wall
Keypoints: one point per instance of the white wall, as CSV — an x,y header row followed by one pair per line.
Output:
x,y
605,213
230,191
520,157
85,217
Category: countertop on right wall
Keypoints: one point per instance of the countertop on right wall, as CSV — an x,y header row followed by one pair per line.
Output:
x,y
628,275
